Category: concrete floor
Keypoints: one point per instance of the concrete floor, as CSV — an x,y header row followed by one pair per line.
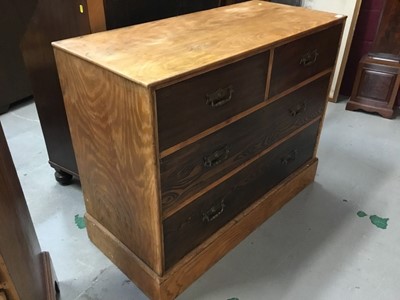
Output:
x,y
316,247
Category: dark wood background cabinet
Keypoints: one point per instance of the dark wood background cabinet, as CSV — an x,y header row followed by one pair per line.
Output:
x,y
14,81
377,82
59,19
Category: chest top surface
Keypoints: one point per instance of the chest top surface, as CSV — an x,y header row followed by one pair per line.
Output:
x,y
157,52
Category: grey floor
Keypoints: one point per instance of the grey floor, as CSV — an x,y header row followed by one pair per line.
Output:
x,y
316,247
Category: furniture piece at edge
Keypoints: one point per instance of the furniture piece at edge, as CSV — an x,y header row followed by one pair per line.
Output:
x,y
14,81
364,34
376,86
58,19
377,82
188,138
26,273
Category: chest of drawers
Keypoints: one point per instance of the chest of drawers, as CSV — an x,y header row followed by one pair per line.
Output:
x,y
190,132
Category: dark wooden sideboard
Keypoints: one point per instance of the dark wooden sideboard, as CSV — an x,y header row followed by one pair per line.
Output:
x,y
59,19
189,137
26,272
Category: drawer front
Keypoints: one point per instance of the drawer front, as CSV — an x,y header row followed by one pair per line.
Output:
x,y
193,224
296,61
194,167
191,106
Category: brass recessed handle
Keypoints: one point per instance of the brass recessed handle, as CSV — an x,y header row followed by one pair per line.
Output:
x,y
219,97
214,212
299,108
291,157
309,58
217,157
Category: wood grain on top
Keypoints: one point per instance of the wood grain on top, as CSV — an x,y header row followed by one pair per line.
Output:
x,y
156,52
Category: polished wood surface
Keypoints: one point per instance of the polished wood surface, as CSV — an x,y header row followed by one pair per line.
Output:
x,y
118,124
102,131
193,224
21,261
165,50
303,58
228,91
183,173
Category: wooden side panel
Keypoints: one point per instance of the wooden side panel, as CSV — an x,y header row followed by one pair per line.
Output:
x,y
112,127
19,246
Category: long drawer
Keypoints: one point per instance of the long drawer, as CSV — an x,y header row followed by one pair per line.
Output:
x,y
197,221
187,171
298,60
191,106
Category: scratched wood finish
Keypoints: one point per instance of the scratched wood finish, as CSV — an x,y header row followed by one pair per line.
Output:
x,y
193,224
111,122
184,172
179,106
303,58
165,50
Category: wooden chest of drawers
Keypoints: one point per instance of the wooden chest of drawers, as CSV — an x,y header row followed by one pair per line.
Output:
x,y
190,132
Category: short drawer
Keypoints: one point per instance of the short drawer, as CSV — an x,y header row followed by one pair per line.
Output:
x,y
297,61
193,224
191,106
187,171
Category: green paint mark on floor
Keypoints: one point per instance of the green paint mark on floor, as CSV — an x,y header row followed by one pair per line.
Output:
x,y
361,214
80,222
379,222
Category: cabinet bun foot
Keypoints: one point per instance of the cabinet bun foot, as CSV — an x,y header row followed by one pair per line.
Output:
x,y
62,177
